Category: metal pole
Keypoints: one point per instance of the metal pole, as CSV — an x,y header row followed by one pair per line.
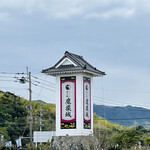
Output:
x,y
30,109
41,122
41,119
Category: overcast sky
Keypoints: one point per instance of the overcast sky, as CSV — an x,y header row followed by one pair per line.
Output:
x,y
112,35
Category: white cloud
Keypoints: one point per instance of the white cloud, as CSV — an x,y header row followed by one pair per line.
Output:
x,y
4,17
121,12
84,8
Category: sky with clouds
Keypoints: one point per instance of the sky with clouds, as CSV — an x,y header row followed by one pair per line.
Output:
x,y
112,35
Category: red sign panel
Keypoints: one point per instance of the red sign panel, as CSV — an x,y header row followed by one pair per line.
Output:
x,y
68,102
87,102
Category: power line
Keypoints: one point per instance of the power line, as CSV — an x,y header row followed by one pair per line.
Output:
x,y
38,84
111,101
13,88
41,95
95,100
42,83
130,118
12,73
128,91
6,73
6,77
125,119
9,80
44,80
41,89
44,88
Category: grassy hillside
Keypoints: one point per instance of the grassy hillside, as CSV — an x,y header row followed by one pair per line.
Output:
x,y
14,122
14,116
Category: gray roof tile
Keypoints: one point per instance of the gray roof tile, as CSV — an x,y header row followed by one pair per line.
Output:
x,y
81,66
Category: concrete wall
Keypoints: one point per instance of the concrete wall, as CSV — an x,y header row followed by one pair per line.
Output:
x,y
75,143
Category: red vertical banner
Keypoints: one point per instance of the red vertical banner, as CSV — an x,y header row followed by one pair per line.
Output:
x,y
87,102
68,102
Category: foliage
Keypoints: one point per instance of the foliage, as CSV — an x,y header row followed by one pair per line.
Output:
x,y
148,141
3,131
14,117
104,130
44,146
127,139
14,122
113,136
48,116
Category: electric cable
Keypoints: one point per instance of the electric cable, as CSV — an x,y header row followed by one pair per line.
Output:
x,y
44,80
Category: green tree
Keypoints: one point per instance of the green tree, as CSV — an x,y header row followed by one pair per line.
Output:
x,y
127,139
13,115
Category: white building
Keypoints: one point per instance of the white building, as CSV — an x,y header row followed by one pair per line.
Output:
x,y
74,107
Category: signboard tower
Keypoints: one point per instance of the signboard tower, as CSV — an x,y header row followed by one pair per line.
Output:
x,y
74,107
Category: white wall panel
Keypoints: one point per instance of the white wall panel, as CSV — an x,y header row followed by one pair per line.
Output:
x,y
79,108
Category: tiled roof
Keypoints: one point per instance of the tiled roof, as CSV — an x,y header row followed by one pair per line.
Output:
x,y
77,64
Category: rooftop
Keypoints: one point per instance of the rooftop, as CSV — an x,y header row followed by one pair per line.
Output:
x,y
72,63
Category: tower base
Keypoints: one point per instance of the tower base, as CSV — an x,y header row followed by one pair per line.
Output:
x,y
74,143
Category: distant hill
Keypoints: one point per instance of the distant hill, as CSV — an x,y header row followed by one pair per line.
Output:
x,y
126,116
40,101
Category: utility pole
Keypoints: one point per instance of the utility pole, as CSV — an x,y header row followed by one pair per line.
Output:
x,y
30,109
23,80
41,119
